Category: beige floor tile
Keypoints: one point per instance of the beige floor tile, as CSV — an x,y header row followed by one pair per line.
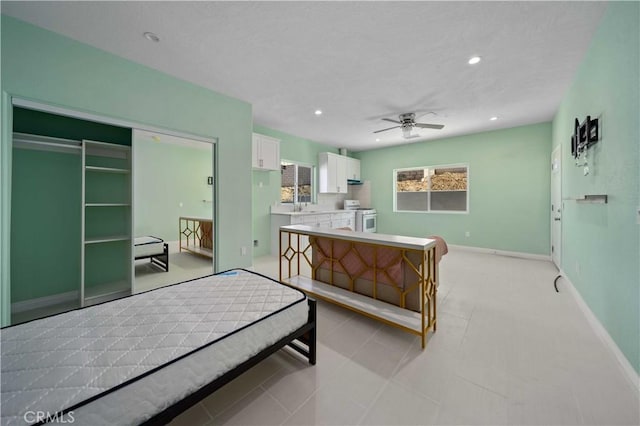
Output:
x,y
295,383
356,383
255,408
399,406
377,357
219,401
351,335
536,403
466,403
327,408
195,416
427,373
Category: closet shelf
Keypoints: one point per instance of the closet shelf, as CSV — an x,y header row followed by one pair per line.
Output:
x,y
106,169
108,239
107,205
94,293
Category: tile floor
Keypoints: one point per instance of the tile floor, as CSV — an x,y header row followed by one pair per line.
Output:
x,y
508,350
183,266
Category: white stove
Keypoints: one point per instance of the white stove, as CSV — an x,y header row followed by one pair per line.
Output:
x,y
366,218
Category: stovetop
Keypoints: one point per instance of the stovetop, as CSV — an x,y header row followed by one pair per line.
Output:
x,y
362,210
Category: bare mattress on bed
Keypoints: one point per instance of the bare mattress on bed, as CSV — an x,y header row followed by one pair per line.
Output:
x,y
123,361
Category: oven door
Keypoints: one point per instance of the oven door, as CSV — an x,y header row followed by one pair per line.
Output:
x,y
369,222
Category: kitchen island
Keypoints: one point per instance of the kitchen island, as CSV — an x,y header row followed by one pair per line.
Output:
x,y
390,278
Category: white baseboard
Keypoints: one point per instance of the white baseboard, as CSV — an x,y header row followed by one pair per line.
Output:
x,y
41,302
627,369
502,252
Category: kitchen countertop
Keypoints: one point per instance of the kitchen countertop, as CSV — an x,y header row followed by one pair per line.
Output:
x,y
308,212
365,237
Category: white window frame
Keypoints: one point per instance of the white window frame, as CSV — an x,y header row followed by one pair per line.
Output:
x,y
429,211
284,162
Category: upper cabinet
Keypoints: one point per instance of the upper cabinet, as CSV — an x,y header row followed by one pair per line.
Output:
x,y
266,152
332,171
353,169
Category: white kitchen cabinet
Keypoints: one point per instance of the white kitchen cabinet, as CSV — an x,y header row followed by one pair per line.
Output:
x,y
337,219
343,220
266,152
332,173
353,169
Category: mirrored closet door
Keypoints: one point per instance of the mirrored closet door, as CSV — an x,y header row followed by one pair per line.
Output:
x,y
173,230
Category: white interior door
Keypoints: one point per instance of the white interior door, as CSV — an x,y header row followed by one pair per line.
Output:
x,y
556,206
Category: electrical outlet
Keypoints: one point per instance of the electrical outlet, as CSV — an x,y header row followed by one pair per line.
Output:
x,y
255,243
243,251
467,234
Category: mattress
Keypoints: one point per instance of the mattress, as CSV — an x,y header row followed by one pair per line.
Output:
x,y
123,361
147,246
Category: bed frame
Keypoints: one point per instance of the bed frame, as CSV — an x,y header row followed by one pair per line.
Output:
x,y
160,260
302,340
305,335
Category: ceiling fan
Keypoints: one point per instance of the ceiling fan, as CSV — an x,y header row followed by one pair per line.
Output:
x,y
407,123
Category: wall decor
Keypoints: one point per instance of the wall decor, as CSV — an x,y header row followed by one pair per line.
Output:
x,y
585,135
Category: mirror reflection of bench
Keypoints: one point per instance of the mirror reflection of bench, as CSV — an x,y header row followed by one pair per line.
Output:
x,y
196,235
390,278
153,248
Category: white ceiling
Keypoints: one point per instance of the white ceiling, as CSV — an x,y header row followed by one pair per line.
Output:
x,y
357,61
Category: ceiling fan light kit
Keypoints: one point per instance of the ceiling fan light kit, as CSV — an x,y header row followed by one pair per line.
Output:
x,y
407,121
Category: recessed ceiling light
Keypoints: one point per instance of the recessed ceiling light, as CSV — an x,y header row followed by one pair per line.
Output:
x,y
474,60
494,118
318,112
377,139
151,37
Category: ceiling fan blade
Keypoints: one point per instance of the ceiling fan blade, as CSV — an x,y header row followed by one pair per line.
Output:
x,y
393,121
429,126
388,128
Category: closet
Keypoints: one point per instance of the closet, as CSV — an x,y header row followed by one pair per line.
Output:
x,y
71,210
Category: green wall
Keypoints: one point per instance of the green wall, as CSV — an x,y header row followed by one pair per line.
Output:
x,y
508,188
601,242
45,212
266,185
49,68
167,175
42,123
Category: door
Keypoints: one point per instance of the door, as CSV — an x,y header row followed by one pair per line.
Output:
x,y
556,206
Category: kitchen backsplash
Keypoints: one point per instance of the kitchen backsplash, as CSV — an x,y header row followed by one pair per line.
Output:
x,y
334,200
355,192
361,193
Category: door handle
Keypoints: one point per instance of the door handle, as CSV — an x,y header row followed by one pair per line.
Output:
x,y
557,219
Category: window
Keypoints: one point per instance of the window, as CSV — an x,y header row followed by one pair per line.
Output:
x,y
297,183
431,189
